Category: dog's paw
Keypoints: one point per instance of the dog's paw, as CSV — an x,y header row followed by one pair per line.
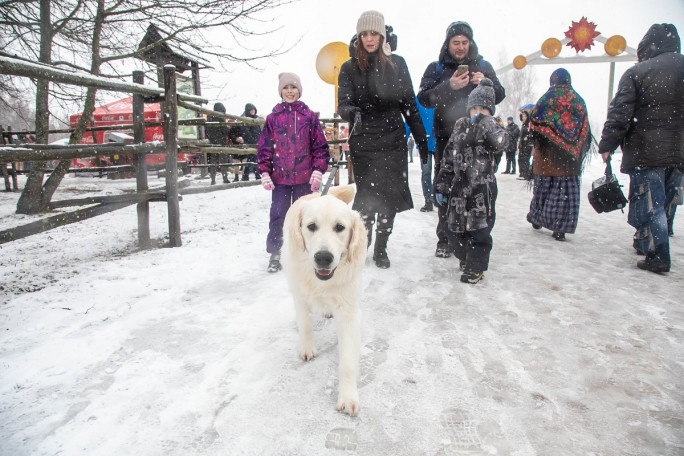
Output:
x,y
307,353
348,404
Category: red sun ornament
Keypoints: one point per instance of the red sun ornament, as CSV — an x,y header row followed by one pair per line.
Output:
x,y
582,35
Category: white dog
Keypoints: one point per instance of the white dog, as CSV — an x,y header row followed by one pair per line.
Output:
x,y
324,251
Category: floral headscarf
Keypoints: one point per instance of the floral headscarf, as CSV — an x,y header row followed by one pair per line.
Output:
x,y
560,115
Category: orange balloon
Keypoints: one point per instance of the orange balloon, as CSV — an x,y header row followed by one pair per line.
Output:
x,y
519,62
551,47
615,45
329,60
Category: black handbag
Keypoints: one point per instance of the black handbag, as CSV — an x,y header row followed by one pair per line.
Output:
x,y
606,193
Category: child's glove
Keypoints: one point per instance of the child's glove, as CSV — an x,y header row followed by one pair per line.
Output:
x,y
441,199
266,182
316,180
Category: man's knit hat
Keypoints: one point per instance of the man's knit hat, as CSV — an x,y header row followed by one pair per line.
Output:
x,y
289,78
218,107
483,95
371,21
459,28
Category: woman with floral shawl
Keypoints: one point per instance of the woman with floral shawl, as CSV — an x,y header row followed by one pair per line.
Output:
x,y
562,138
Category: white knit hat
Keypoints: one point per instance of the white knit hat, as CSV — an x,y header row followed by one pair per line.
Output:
x,y
288,78
371,21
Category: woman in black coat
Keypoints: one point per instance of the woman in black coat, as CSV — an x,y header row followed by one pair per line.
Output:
x,y
375,96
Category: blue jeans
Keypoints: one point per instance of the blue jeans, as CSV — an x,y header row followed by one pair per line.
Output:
x,y
652,194
426,179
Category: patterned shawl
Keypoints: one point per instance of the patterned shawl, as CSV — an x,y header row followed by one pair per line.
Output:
x,y
561,116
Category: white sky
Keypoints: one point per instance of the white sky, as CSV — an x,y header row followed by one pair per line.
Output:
x,y
514,27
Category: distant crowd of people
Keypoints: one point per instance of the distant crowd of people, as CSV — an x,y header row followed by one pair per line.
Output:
x,y
451,121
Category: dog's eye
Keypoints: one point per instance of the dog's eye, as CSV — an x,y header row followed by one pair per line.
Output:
x,y
312,227
339,228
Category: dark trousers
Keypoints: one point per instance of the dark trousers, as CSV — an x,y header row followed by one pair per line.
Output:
x,y
442,239
282,197
247,170
524,163
510,162
474,247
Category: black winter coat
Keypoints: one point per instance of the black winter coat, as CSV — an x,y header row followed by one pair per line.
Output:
x,y
217,134
513,134
250,133
646,116
378,144
450,105
526,142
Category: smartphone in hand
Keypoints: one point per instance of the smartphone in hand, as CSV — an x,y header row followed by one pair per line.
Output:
x,y
461,69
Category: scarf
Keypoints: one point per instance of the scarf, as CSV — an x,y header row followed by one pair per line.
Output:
x,y
560,115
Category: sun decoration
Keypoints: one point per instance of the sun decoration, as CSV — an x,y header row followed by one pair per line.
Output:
x,y
582,34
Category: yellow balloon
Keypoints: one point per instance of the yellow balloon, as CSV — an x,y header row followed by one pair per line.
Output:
x,y
615,45
519,62
329,60
551,47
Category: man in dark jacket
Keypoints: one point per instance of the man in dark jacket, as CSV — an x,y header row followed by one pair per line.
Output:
x,y
217,134
646,119
248,134
443,88
513,135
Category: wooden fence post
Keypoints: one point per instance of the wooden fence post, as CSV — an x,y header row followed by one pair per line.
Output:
x,y
143,207
170,113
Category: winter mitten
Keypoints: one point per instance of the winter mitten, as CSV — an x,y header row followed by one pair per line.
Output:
x,y
441,199
315,181
266,182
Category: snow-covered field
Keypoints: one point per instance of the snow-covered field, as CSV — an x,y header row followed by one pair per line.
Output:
x,y
564,349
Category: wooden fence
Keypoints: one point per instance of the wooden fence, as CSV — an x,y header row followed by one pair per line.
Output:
x,y
170,100
169,97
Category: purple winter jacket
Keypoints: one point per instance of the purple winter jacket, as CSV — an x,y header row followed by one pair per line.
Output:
x,y
292,144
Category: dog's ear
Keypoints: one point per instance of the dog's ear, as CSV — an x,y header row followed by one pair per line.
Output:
x,y
358,241
344,193
292,226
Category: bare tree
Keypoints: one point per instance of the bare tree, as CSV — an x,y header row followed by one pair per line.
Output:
x,y
521,88
110,31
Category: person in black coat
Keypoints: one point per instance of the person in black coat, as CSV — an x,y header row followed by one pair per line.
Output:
x,y
525,145
513,135
247,134
218,134
375,95
445,89
646,119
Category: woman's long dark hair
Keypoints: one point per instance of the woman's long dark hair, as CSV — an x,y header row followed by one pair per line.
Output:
x,y
362,55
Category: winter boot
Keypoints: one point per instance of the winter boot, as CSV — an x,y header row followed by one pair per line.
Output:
x,y
274,263
557,235
443,251
471,277
380,251
369,229
428,207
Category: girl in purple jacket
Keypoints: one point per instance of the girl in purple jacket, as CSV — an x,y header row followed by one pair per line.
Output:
x,y
293,154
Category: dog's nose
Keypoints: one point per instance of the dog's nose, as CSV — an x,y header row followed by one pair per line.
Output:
x,y
323,259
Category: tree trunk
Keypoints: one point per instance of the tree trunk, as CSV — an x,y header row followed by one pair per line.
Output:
x,y
31,200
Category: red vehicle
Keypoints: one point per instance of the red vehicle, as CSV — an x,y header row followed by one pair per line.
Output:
x,y
120,112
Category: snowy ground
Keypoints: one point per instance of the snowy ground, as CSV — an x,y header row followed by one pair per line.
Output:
x,y
564,349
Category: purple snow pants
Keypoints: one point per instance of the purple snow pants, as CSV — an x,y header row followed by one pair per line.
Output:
x,y
282,197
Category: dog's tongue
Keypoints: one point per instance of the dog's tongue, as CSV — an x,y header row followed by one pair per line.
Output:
x,y
324,272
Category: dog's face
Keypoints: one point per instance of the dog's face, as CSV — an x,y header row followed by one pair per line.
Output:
x,y
327,226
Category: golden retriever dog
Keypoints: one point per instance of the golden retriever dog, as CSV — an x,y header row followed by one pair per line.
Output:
x,y
324,251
